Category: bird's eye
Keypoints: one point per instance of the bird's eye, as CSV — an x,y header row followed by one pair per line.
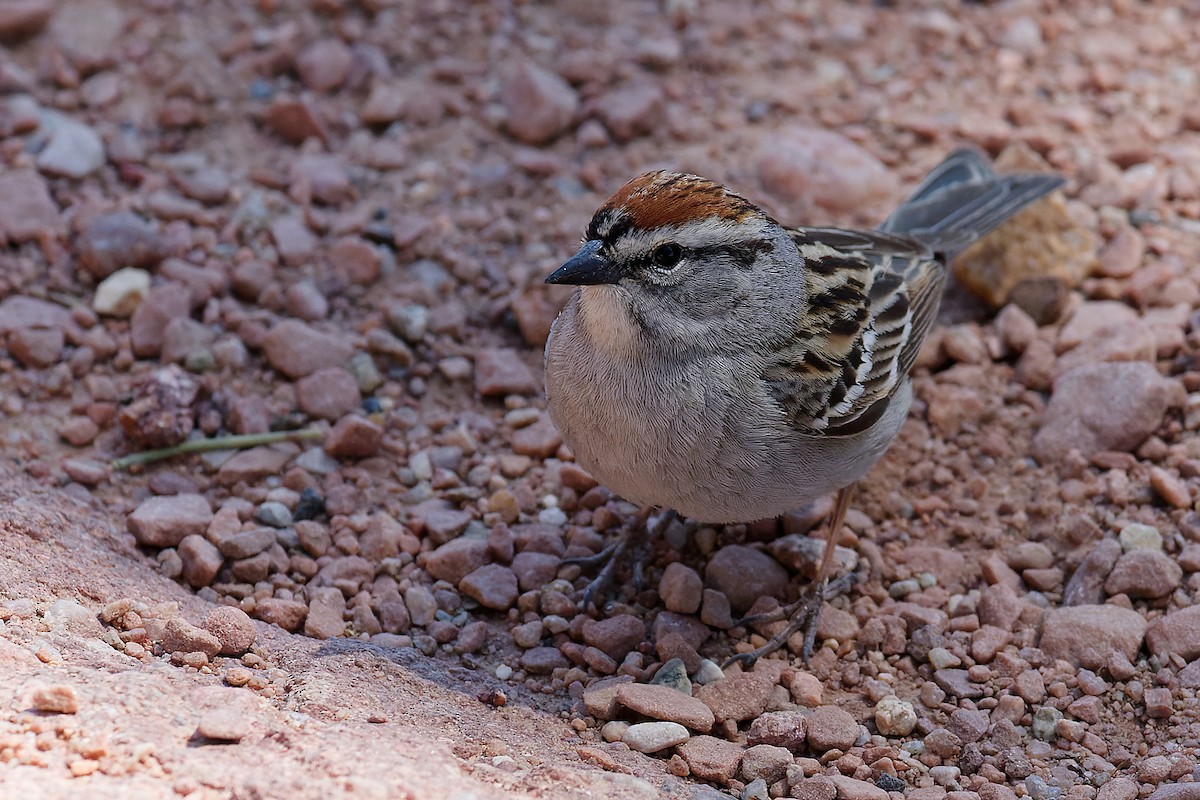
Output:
x,y
666,256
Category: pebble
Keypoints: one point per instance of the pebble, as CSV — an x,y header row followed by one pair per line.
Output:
x,y
1143,573
651,737
118,242
36,347
1086,586
502,371
326,613
1176,791
1123,254
712,759
539,440
534,570
738,697
324,64
456,559
831,728
232,627
1136,536
297,349
744,574
1104,407
708,672
755,790
895,717
121,293
812,165
492,586
539,105
615,636
180,636
20,19
224,725
1086,635
165,521
353,436
853,789
73,149
673,673
57,698
631,111
274,514
201,560
779,728
668,704
680,588
765,762
421,604
287,614
1176,632
544,660
28,213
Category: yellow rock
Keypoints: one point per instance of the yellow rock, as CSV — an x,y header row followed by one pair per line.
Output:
x,y
1035,258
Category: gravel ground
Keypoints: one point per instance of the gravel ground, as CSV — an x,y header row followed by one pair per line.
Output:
x,y
336,217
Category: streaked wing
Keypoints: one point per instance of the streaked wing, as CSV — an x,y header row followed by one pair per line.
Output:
x,y
872,297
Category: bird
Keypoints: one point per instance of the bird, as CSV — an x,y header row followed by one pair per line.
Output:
x,y
719,365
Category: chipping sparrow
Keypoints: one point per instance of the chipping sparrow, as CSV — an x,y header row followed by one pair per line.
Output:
x,y
718,364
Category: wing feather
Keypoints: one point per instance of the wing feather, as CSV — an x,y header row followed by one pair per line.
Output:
x,y
871,299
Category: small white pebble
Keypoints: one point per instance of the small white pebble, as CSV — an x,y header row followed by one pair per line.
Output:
x,y
503,672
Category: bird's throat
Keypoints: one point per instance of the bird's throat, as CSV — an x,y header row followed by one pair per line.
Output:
x,y
605,315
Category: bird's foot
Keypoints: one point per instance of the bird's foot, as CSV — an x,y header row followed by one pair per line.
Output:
x,y
801,615
631,545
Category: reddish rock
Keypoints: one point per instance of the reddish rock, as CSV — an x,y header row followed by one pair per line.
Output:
x,y
744,574
294,121
121,239
780,728
328,393
1177,632
831,728
810,165
201,560
712,759
353,436
165,521
148,324
681,588
295,242
28,213
539,105
180,636
324,64
1143,573
632,111
297,349
616,635
1086,635
501,371
1104,407
666,703
492,586
232,627
287,614
456,559
737,697
326,613
539,440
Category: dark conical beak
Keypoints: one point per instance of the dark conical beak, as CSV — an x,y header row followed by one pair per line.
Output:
x,y
586,268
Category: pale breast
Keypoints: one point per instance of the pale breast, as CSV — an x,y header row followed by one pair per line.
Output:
x,y
703,439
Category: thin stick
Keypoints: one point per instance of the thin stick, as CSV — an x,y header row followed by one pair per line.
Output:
x,y
220,443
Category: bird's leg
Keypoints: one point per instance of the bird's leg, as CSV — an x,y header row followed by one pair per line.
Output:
x,y
802,615
636,535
